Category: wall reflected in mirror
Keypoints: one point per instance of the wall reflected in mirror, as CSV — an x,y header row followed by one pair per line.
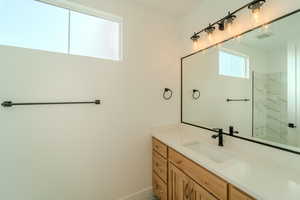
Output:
x,y
251,83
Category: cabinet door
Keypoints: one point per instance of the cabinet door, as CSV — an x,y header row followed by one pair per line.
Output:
x,y
236,194
159,188
202,176
178,184
198,193
181,187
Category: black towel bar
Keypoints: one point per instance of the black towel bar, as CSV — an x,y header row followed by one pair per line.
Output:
x,y
228,100
11,104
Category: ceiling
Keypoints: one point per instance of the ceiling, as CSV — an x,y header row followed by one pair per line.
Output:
x,y
278,35
177,8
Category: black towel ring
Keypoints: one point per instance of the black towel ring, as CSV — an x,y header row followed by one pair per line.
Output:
x,y
196,94
167,91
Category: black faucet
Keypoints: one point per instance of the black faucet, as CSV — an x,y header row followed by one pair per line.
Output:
x,y
219,135
232,131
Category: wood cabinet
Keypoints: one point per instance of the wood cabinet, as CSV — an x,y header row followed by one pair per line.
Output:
x,y
160,170
160,148
178,184
182,187
236,194
209,181
160,166
159,188
175,177
198,193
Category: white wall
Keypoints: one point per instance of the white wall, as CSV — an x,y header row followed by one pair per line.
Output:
x,y
81,152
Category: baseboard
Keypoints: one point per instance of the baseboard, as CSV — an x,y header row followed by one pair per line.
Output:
x,y
145,194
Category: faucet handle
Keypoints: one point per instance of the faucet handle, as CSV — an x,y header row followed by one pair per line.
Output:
x,y
232,131
214,136
219,131
219,135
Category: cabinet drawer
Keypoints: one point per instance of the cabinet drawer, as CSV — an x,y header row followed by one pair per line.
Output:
x,y
209,181
159,188
236,194
160,166
159,147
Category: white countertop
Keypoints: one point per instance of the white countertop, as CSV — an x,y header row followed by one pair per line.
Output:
x,y
262,172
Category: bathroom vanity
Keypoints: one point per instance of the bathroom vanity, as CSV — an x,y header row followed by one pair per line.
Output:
x,y
176,177
189,165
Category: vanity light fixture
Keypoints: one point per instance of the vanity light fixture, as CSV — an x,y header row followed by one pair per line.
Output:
x,y
255,8
222,25
256,5
230,18
210,29
195,37
227,21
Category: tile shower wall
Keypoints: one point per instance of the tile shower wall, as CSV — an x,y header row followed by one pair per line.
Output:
x,y
270,107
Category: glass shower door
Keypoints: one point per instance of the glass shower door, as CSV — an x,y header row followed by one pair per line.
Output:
x,y
275,102
270,107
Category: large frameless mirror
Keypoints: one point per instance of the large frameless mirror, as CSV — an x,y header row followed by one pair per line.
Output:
x,y
251,83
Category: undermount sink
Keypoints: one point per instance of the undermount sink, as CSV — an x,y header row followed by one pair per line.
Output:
x,y
213,153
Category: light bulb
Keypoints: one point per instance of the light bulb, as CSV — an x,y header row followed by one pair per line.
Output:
x,y
209,37
209,30
229,28
229,22
256,7
256,10
196,45
256,15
